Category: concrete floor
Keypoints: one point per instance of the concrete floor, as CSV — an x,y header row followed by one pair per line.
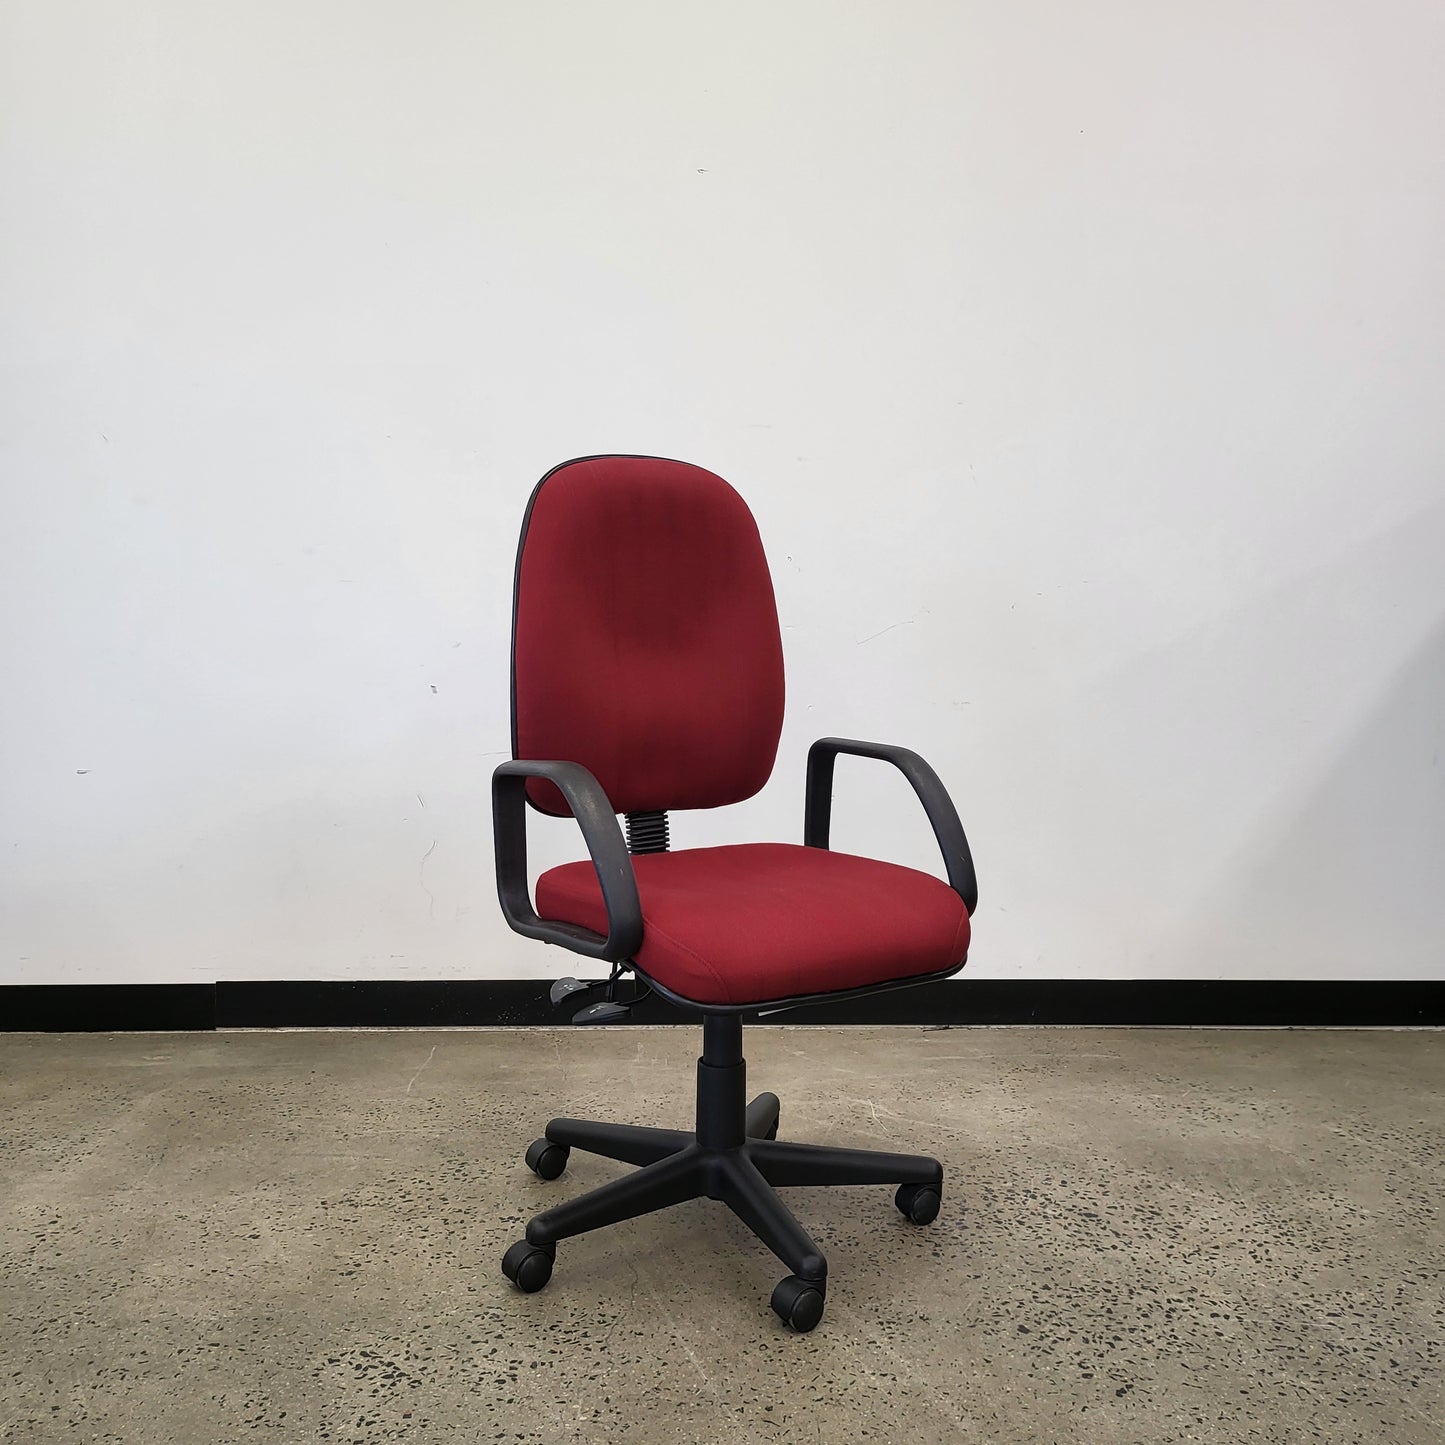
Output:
x,y
1148,1236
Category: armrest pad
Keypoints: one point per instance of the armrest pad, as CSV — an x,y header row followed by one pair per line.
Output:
x,y
593,812
942,815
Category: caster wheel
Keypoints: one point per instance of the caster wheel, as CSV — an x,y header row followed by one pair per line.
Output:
x,y
798,1303
547,1160
919,1202
770,1108
528,1266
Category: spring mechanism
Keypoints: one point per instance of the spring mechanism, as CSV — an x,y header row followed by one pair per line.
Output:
x,y
647,832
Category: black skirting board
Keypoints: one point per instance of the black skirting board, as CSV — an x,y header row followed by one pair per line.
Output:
x,y
450,1003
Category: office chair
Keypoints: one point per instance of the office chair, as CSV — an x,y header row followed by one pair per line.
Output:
x,y
647,676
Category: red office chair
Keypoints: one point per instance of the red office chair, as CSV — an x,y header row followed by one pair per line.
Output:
x,y
647,675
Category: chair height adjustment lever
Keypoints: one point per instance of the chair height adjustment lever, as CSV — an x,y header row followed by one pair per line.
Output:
x,y
564,988
607,1011
603,1013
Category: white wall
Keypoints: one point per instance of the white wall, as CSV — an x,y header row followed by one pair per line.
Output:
x,y
1083,364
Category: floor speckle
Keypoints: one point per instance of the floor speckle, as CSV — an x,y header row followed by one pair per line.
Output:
x,y
1148,1237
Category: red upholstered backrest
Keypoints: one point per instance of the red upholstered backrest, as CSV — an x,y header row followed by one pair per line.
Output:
x,y
645,640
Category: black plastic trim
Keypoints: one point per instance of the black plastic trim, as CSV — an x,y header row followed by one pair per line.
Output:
x,y
942,815
523,1003
605,845
794,1001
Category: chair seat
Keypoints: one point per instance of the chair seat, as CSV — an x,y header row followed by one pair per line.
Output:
x,y
753,922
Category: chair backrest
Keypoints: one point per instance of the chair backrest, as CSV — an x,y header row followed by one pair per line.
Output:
x,y
645,640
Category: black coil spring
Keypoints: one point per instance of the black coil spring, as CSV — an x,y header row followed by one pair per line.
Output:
x,y
647,832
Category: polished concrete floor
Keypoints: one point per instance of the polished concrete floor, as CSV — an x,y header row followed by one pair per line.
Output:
x,y
1148,1236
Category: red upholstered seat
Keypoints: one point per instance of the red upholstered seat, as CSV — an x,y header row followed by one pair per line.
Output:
x,y
761,921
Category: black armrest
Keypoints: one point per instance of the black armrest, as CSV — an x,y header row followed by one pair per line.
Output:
x,y
594,815
818,810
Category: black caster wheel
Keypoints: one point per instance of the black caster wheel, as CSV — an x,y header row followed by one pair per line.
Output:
x,y
773,1108
528,1266
798,1303
547,1160
919,1202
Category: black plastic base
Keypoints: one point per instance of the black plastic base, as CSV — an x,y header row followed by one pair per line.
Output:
x,y
734,1157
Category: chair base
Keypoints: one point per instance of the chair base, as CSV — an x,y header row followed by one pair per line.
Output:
x,y
733,1156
